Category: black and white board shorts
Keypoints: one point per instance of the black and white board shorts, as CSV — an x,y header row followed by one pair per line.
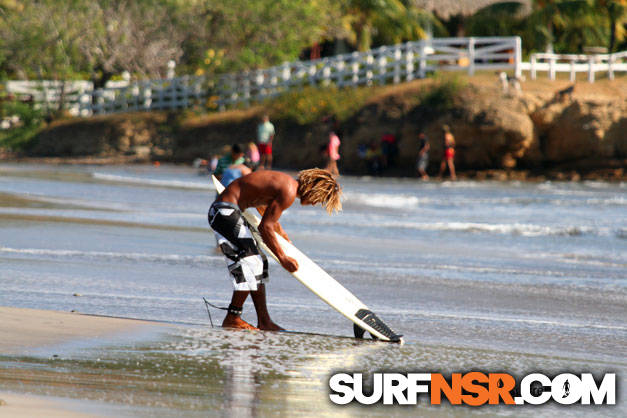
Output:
x,y
246,263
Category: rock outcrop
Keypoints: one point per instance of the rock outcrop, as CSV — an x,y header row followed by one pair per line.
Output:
x,y
492,130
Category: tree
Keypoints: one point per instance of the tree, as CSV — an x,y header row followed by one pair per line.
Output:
x,y
551,16
40,39
616,12
386,21
499,19
97,39
135,36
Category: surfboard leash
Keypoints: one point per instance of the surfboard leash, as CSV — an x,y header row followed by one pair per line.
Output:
x,y
207,305
233,310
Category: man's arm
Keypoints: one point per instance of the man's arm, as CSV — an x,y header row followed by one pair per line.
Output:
x,y
267,228
278,229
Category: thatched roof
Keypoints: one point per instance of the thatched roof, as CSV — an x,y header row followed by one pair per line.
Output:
x,y
447,8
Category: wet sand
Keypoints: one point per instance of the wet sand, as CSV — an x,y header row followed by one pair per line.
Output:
x,y
19,405
24,330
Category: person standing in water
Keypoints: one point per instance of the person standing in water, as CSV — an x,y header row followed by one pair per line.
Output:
x,y
271,192
265,136
449,153
423,156
333,152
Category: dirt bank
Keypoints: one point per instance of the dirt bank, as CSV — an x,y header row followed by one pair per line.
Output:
x,y
537,132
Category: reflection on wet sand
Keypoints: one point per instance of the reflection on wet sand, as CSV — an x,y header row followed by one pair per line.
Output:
x,y
202,370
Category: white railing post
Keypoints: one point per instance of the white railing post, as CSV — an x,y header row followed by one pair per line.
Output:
x,y
591,69
355,68
422,66
339,76
312,74
382,69
533,66
552,68
369,62
274,81
397,64
326,74
610,66
409,65
286,74
518,57
573,75
471,56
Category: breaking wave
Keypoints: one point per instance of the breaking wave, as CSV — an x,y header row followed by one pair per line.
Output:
x,y
154,182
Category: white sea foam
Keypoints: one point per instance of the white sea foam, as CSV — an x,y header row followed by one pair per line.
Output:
x,y
520,229
154,182
398,201
407,201
105,255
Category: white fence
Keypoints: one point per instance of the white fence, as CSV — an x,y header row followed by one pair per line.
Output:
x,y
389,64
80,98
173,93
49,94
384,65
576,63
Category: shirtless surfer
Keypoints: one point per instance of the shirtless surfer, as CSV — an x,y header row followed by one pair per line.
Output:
x,y
271,192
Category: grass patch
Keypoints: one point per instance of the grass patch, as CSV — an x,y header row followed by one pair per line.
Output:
x,y
442,93
311,104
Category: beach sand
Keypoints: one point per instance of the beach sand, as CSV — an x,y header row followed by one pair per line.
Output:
x,y
23,330
20,405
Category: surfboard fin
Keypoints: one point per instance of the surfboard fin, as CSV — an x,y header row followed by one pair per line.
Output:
x,y
358,331
373,321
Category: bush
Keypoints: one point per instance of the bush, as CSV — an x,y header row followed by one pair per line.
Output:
x,y
441,95
28,123
311,104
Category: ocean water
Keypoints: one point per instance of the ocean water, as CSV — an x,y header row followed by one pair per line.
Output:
x,y
492,276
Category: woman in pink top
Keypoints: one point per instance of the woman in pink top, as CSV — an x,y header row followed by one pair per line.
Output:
x,y
252,154
334,153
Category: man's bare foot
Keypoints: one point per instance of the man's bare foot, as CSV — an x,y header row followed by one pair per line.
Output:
x,y
232,321
270,326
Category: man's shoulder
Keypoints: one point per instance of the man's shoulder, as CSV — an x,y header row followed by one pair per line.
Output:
x,y
270,178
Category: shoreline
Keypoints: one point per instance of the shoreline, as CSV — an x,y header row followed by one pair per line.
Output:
x,y
610,171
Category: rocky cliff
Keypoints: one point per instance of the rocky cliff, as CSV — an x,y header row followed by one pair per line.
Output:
x,y
537,130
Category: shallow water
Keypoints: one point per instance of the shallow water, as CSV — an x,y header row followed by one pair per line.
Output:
x,y
515,277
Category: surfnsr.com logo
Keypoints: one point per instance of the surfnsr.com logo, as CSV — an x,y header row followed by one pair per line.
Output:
x,y
473,388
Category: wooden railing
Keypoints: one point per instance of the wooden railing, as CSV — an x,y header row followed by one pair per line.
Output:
x,y
384,65
576,63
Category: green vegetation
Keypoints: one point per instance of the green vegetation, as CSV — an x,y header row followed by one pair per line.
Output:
x,y
441,95
100,39
311,104
29,124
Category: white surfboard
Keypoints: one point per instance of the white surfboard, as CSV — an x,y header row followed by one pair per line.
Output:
x,y
326,287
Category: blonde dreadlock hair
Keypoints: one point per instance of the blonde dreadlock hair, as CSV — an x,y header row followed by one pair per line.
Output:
x,y
318,186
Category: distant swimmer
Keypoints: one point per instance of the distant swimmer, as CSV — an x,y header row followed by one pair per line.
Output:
x,y
271,192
